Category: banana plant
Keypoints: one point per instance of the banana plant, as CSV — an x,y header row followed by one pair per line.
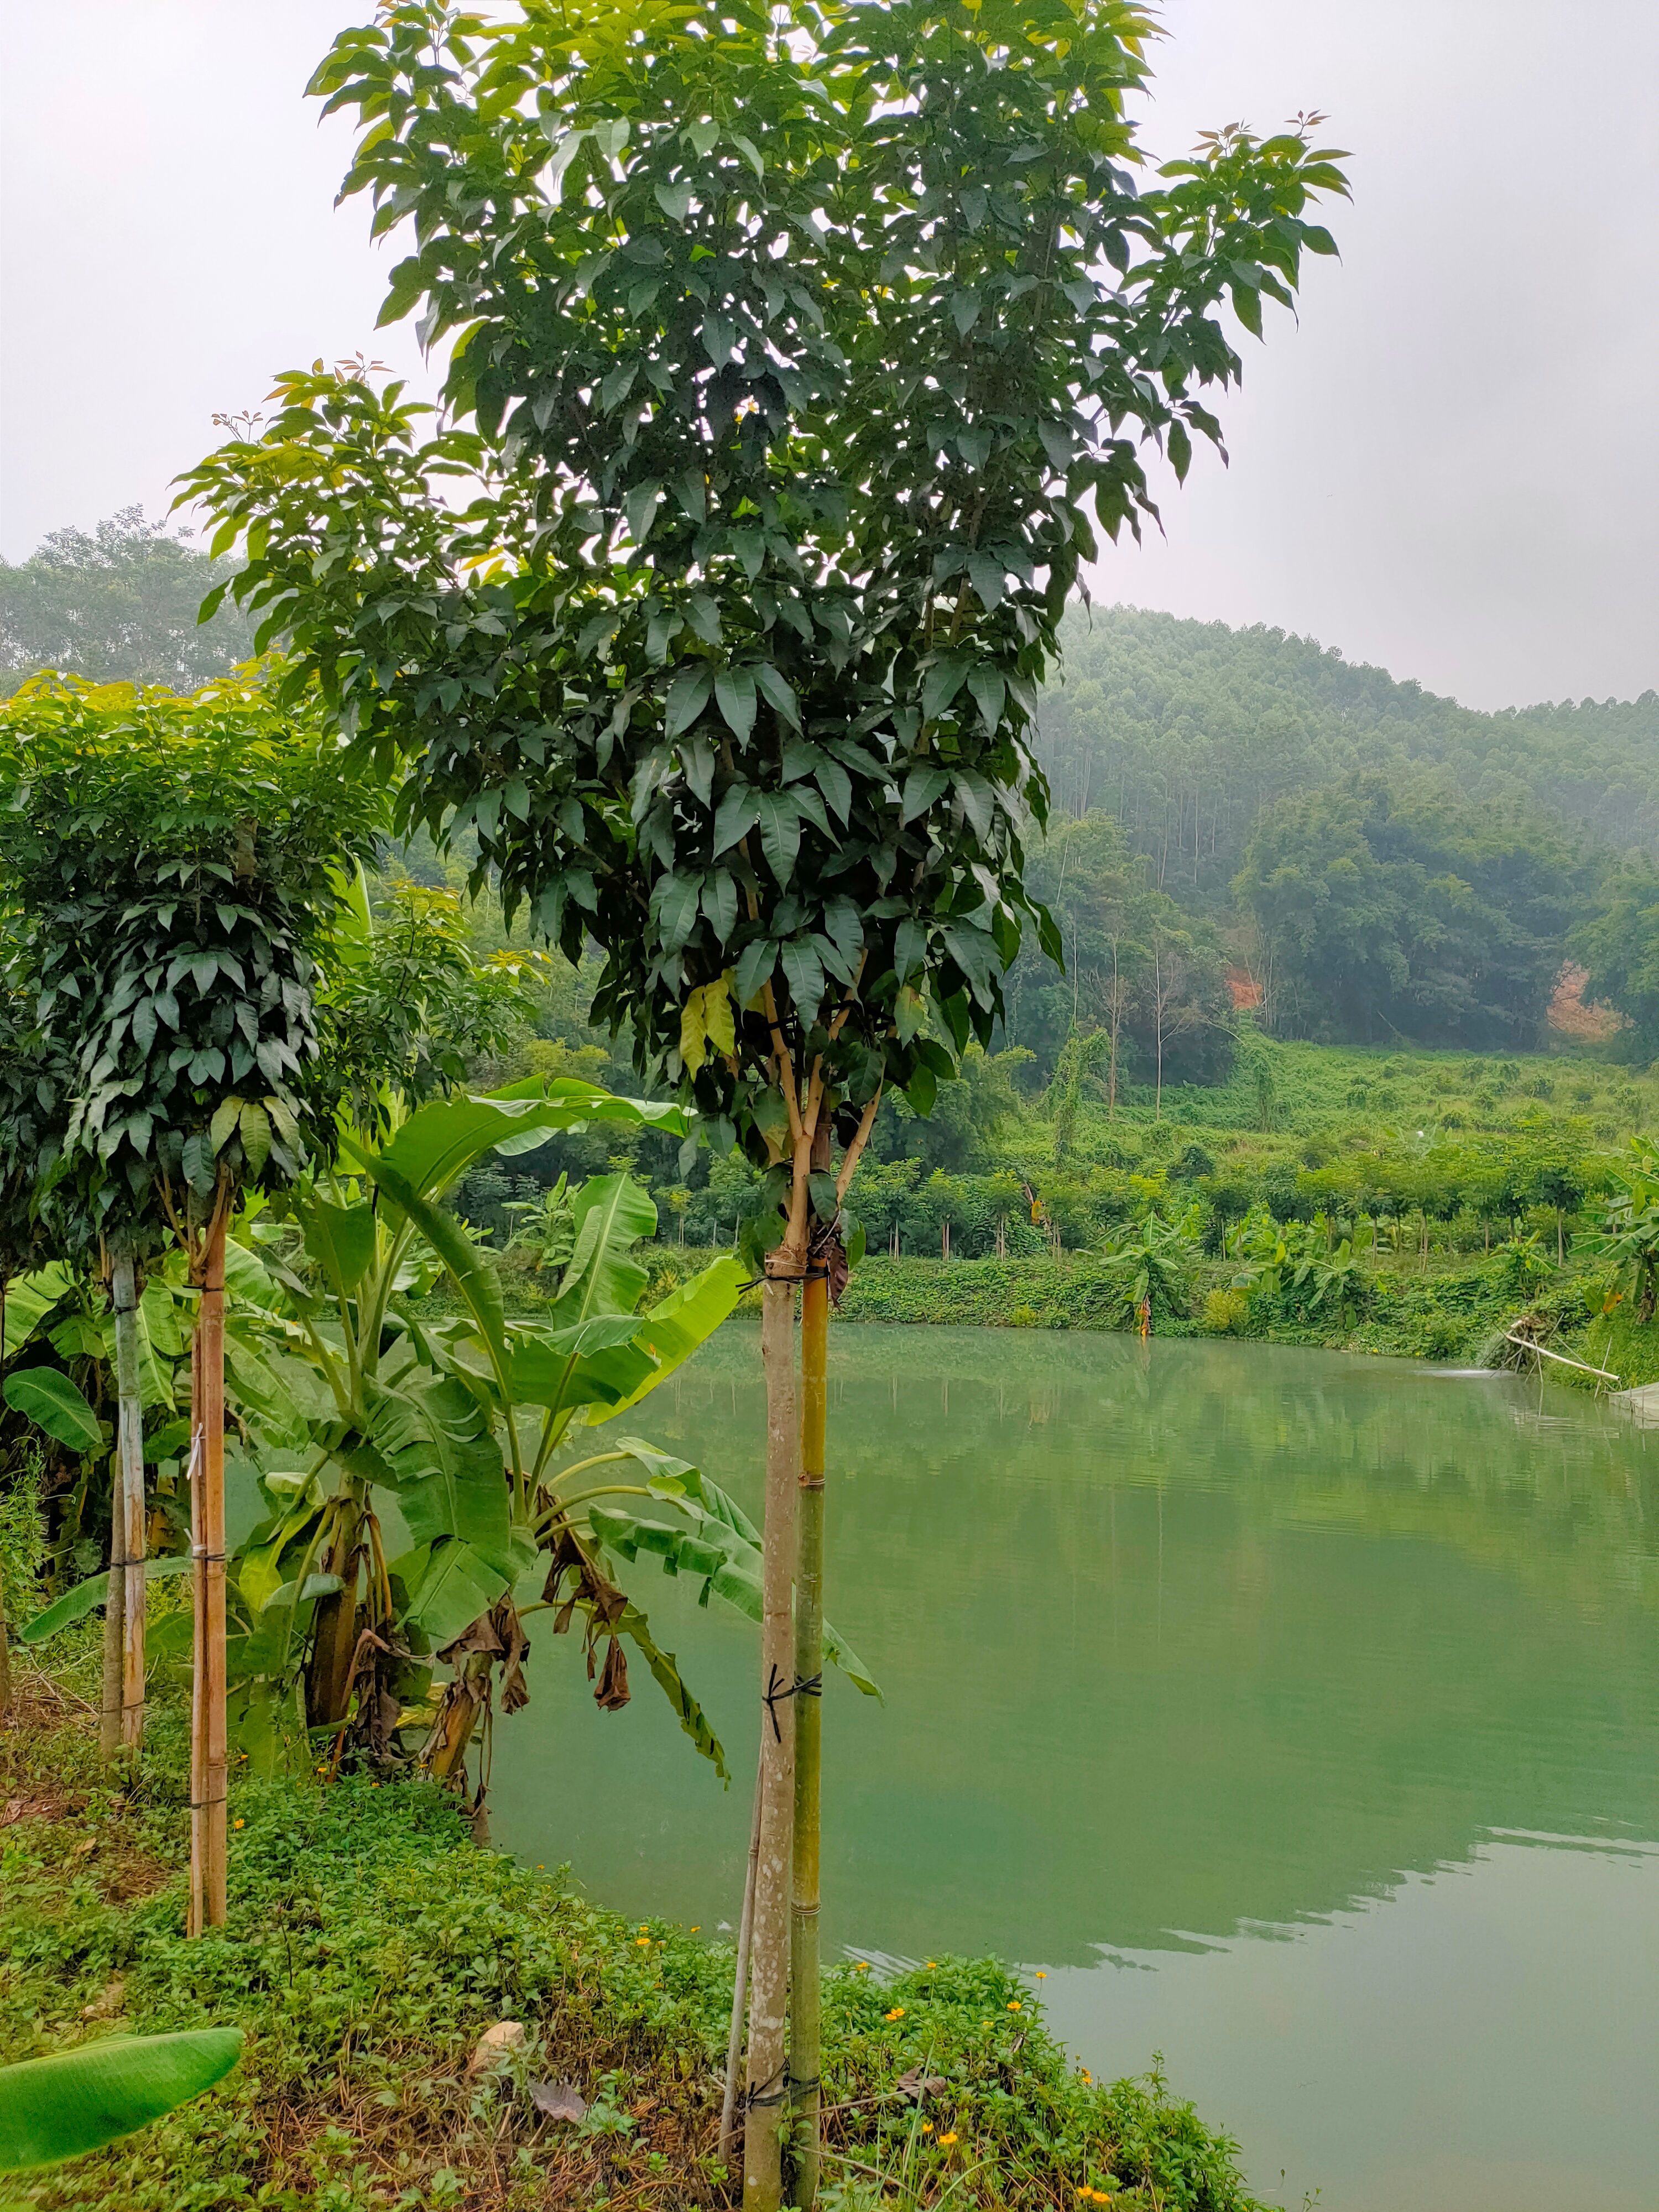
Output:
x,y
1152,1265
367,1410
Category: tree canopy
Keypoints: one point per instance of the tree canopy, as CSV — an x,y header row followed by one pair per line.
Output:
x,y
803,361
1391,908
117,606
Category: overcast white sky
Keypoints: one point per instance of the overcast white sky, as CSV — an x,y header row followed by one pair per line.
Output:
x,y
1450,467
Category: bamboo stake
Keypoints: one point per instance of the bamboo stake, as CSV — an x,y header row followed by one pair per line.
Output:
x,y
803,2023
207,1747
109,1700
740,1984
123,1298
767,2085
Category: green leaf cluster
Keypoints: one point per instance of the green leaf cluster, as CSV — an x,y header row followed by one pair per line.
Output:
x,y
805,359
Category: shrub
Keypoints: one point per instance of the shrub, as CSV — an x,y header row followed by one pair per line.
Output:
x,y
1224,1312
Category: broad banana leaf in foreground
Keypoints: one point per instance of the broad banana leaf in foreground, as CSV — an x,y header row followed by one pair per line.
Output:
x,y
61,2107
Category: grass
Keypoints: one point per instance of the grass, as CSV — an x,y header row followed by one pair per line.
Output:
x,y
370,1944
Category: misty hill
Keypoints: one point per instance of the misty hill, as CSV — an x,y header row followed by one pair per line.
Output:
x,y
1186,730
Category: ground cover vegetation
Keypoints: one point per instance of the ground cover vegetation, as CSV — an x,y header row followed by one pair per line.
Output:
x,y
372,1946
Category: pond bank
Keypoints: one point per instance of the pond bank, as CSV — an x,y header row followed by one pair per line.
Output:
x,y
371,1944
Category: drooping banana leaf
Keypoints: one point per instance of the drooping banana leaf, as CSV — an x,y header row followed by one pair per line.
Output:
x,y
46,1397
664,1668
721,1546
439,1448
449,1586
75,1604
60,2107
474,1278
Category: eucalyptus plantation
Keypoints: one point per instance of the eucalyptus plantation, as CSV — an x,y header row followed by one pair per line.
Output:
x,y
799,358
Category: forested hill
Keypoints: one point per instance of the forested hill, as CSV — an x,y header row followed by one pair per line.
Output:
x,y
1186,730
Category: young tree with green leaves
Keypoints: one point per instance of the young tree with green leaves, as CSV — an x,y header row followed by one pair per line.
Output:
x,y
799,358
174,864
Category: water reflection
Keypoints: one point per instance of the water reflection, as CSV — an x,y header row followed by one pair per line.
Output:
x,y
1180,1644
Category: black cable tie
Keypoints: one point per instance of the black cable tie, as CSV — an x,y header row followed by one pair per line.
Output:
x,y
207,1558
808,1275
204,1804
765,2093
811,1687
807,2089
772,1696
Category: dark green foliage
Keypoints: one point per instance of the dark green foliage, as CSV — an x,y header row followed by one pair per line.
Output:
x,y
174,865
793,397
1389,908
117,607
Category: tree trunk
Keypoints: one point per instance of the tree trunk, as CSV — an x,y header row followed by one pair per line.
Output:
x,y
109,1702
129,1417
208,1748
804,2023
767,2083
334,1640
741,1986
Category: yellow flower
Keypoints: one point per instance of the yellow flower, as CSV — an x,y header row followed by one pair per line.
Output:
x,y
696,1926
949,2137
644,1943
1086,2074
1013,2004
933,1962
1041,1977
927,2127
238,1824
897,2012
860,1965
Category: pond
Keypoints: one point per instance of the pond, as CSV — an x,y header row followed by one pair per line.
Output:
x,y
1296,1715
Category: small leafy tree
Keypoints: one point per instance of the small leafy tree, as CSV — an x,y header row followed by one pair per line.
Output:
x,y
805,354
174,864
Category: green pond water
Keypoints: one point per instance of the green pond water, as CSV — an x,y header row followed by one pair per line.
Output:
x,y
1296,1715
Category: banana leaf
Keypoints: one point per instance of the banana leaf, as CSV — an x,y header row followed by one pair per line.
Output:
x,y
665,1669
674,1328
75,1604
60,2107
442,1140
721,1547
611,1213
46,1397
29,1299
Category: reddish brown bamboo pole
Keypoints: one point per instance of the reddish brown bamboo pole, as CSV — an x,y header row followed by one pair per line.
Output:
x,y
208,1761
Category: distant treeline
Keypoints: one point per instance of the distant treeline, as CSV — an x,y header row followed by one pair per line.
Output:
x,y
1241,818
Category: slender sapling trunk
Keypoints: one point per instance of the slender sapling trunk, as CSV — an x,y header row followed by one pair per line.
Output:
x,y
130,1420
804,2023
741,1986
766,2084
208,1746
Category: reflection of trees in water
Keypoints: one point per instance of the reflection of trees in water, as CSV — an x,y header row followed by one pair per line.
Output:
x,y
1179,1636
